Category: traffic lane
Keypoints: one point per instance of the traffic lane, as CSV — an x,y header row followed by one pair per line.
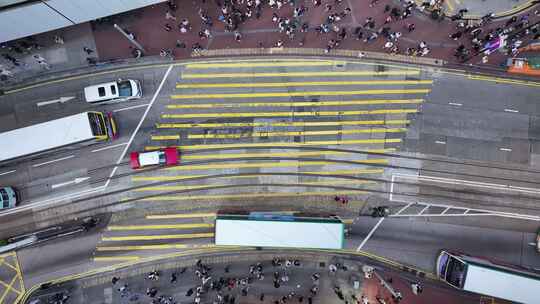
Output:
x,y
418,242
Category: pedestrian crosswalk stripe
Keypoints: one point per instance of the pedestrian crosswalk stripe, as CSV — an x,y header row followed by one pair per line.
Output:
x,y
156,237
347,221
295,104
317,183
261,64
165,137
251,195
277,154
299,84
296,133
181,177
282,124
116,258
299,74
152,227
302,93
285,144
273,164
177,216
289,114
153,247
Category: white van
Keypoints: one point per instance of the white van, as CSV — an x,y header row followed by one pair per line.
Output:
x,y
116,91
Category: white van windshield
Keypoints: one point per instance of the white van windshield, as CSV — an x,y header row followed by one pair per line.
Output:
x,y
125,88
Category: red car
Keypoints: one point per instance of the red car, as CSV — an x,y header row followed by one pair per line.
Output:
x,y
165,157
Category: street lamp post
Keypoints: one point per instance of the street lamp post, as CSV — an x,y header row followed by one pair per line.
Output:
x,y
133,41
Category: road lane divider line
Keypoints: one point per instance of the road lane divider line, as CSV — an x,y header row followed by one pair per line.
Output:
x,y
300,84
52,161
130,108
116,258
273,164
8,172
108,147
303,93
290,144
364,241
320,183
262,64
289,114
295,133
152,247
156,237
295,104
181,177
251,195
282,124
277,154
504,80
156,227
299,74
178,216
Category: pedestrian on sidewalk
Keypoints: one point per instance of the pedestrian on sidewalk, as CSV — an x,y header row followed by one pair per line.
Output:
x,y
416,288
169,16
237,36
167,27
58,39
88,50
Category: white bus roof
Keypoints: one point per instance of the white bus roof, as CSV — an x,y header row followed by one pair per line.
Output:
x,y
45,136
260,233
502,284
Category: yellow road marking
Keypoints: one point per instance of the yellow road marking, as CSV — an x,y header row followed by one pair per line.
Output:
x,y
299,74
277,154
290,114
116,258
153,247
348,221
181,177
252,195
152,227
165,137
295,104
450,6
156,237
504,80
297,133
9,287
286,144
319,183
177,216
282,124
274,164
304,93
261,64
300,84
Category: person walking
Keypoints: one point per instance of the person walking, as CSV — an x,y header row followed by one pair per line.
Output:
x,y
88,50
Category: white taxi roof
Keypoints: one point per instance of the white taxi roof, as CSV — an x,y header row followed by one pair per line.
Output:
x,y
149,158
91,93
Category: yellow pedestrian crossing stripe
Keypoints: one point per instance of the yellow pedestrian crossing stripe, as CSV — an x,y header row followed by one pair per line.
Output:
x,y
300,74
152,227
261,64
303,93
273,164
282,124
295,104
153,247
285,144
178,216
290,114
296,133
181,177
165,137
156,237
277,154
317,183
252,195
299,84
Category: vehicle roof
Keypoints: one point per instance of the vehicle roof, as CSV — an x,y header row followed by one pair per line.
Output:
x,y
32,139
91,92
149,158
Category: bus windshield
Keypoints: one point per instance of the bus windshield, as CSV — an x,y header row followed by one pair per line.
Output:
x,y
455,272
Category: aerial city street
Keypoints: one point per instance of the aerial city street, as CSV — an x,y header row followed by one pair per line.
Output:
x,y
270,151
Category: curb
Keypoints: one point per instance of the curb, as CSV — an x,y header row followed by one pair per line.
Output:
x,y
500,15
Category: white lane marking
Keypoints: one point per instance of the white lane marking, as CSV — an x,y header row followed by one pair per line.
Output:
x,y
440,142
7,172
511,110
505,149
59,100
391,188
455,104
403,209
130,108
370,234
77,180
108,147
53,161
138,125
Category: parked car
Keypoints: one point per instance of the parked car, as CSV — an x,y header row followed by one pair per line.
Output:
x,y
165,157
115,91
8,197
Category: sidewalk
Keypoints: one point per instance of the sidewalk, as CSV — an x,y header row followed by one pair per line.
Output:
x,y
479,8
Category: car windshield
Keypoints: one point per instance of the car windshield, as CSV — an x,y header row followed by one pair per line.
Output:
x,y
455,272
125,88
162,158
